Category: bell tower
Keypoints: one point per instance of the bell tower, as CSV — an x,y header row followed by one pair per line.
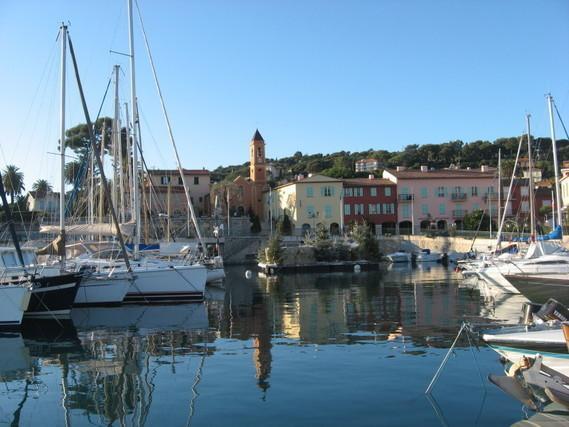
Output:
x,y
257,168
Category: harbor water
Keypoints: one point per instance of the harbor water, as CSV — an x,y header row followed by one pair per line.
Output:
x,y
331,349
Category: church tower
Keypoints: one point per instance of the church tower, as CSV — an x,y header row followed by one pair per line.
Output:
x,y
257,169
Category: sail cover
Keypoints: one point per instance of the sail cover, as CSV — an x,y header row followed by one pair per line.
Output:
x,y
103,229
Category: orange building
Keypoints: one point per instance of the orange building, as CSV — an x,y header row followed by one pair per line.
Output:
x,y
246,194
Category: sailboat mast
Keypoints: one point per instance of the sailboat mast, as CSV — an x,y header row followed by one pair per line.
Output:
x,y
555,164
118,146
499,186
136,207
63,35
530,181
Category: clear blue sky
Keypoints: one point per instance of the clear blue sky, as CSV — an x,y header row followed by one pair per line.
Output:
x,y
314,76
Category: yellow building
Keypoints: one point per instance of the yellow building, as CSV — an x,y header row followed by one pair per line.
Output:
x,y
308,202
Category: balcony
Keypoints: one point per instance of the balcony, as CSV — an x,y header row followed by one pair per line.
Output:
x,y
458,213
406,197
490,196
458,196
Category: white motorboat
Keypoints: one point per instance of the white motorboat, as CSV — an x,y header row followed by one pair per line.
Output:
x,y
399,257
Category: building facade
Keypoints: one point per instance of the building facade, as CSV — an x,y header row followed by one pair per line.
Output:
x,y
439,199
165,191
371,200
367,165
308,202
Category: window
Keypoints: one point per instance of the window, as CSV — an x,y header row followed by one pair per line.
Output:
x,y
359,209
389,208
372,209
347,209
405,211
358,192
164,180
327,211
490,190
424,192
388,191
425,209
441,191
327,191
475,207
404,190
348,192
196,180
309,191
310,212
458,189
442,209
373,191
474,190
524,191
180,182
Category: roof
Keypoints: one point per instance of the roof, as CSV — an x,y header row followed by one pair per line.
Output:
x,y
257,136
367,181
442,173
311,179
175,171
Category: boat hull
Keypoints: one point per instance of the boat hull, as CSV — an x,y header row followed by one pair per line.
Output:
x,y
102,289
167,285
53,296
540,288
14,300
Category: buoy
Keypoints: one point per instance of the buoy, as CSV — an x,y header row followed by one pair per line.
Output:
x,y
248,274
357,268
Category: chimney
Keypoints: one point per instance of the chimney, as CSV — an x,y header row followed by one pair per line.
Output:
x,y
483,168
370,176
424,168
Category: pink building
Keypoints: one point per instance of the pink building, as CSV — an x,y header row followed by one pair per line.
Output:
x,y
439,199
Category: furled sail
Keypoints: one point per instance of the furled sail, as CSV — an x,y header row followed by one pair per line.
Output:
x,y
102,229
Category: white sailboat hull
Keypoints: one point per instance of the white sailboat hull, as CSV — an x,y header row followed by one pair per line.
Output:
x,y
175,283
102,289
14,301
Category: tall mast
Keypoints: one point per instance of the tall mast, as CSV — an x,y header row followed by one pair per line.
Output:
x,y
555,164
63,35
118,146
530,181
136,207
129,163
499,186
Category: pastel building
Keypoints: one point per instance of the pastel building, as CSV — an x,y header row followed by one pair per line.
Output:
x,y
308,202
165,186
440,199
373,201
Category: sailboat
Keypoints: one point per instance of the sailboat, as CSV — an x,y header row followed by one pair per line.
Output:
x,y
146,280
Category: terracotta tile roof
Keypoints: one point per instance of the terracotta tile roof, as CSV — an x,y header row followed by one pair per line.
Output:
x,y
442,173
368,182
175,172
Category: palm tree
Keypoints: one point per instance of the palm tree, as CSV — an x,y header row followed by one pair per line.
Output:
x,y
42,187
13,181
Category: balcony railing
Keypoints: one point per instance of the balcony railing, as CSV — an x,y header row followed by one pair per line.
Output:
x,y
458,196
490,196
458,213
406,197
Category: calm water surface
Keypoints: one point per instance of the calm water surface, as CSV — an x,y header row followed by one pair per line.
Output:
x,y
301,350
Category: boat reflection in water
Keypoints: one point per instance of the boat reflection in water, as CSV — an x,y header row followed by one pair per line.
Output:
x,y
300,341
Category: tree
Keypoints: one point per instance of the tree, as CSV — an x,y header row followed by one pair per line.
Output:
x,y
284,226
472,220
13,181
41,187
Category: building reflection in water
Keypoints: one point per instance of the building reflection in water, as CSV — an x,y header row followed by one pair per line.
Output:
x,y
112,362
